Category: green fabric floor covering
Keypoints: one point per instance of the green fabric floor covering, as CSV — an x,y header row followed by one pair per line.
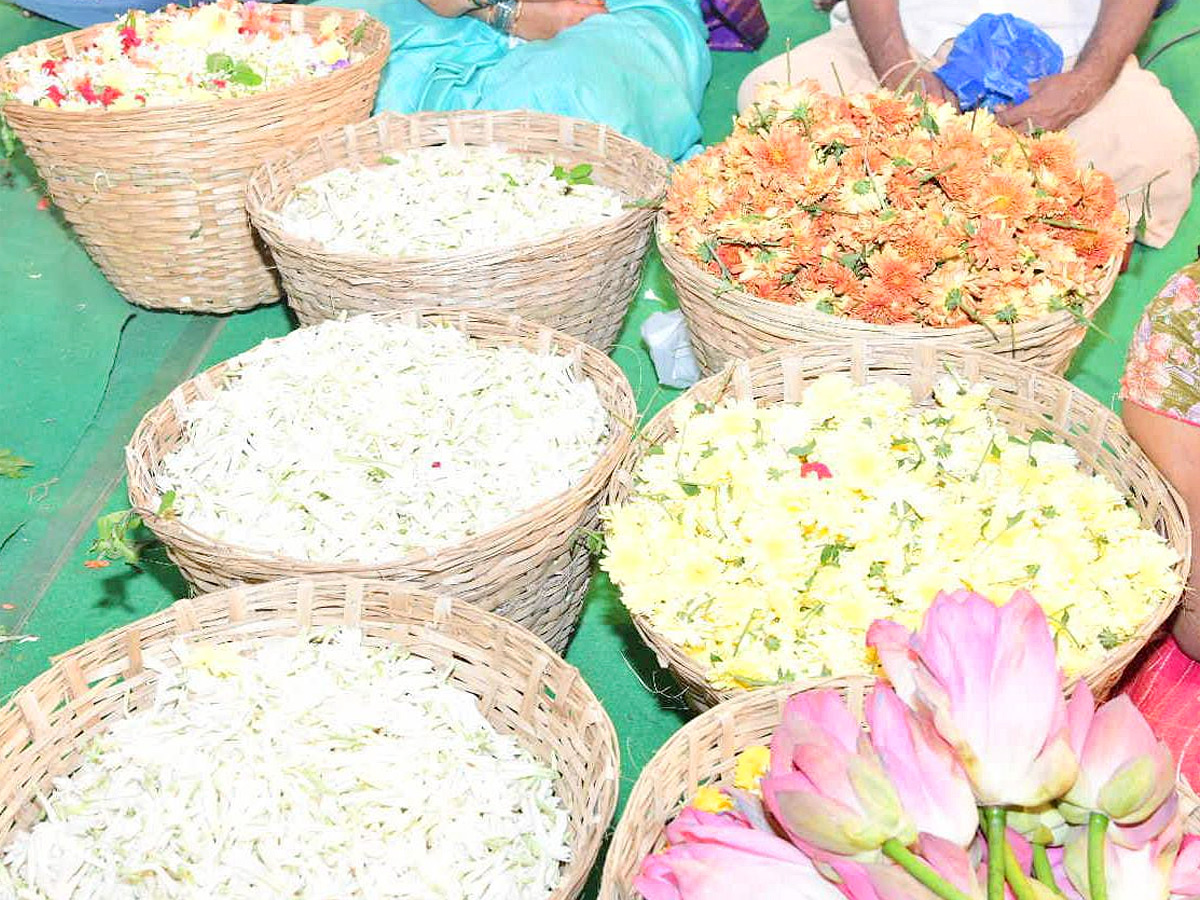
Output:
x,y
80,366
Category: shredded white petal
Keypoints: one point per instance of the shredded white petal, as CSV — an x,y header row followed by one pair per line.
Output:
x,y
314,767
432,200
365,440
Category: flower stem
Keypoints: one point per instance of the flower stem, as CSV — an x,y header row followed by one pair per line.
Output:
x,y
993,818
1097,880
1017,879
921,871
1042,868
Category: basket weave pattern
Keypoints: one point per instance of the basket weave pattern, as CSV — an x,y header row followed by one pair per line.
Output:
x,y
1025,399
726,323
533,569
157,195
704,751
580,281
523,688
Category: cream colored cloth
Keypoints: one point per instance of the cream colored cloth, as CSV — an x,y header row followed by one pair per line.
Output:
x,y
1135,133
930,23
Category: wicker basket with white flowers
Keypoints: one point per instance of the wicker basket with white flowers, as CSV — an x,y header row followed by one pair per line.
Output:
x,y
447,449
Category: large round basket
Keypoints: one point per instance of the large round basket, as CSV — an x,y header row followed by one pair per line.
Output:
x,y
579,281
703,752
533,569
726,323
1025,400
524,689
157,195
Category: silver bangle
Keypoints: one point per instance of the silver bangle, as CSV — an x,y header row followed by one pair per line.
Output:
x,y
504,15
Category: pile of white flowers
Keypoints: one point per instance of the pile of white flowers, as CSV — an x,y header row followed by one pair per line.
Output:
x,y
364,440
432,200
309,767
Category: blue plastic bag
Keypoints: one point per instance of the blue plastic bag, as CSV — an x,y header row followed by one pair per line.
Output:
x,y
994,60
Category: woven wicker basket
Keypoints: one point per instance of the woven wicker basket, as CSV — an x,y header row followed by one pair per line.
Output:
x,y
1024,398
156,195
533,569
703,752
524,689
580,281
726,323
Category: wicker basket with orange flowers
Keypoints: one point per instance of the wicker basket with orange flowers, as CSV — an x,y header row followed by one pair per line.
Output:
x,y
886,216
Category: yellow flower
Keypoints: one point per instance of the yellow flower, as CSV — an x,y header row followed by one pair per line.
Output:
x,y
764,573
215,659
752,764
712,800
332,52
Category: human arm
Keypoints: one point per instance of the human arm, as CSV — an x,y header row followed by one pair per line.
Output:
x,y
1057,100
1174,447
543,19
881,33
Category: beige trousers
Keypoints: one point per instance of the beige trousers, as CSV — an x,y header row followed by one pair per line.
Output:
x,y
1135,133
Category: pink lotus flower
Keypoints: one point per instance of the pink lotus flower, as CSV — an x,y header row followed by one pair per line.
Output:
x,y
1124,771
987,680
1185,874
713,855
827,787
1131,874
932,786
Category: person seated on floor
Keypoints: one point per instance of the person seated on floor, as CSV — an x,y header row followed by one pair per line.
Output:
x,y
1160,394
1123,120
638,66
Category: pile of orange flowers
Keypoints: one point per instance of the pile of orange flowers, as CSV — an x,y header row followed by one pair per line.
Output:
x,y
891,208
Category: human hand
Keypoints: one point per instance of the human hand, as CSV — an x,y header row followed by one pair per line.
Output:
x,y
922,82
543,19
1054,102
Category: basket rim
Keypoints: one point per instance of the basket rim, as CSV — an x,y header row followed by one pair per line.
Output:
x,y
349,16
263,202
674,256
694,673
65,678
563,344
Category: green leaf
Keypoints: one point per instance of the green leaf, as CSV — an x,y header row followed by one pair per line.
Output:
x,y
580,174
13,466
655,450
218,62
803,449
356,35
1007,314
388,160
166,506
243,74
689,489
8,138
115,536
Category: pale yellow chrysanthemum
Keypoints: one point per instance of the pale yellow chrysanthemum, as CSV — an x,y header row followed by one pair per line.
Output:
x,y
766,540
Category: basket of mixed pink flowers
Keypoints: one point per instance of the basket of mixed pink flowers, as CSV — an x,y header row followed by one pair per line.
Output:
x,y
146,130
886,216
972,779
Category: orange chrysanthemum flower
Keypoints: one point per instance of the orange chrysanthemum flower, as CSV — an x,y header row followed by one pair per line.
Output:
x,y
895,209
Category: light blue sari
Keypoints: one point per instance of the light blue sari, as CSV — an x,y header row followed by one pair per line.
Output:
x,y
640,69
